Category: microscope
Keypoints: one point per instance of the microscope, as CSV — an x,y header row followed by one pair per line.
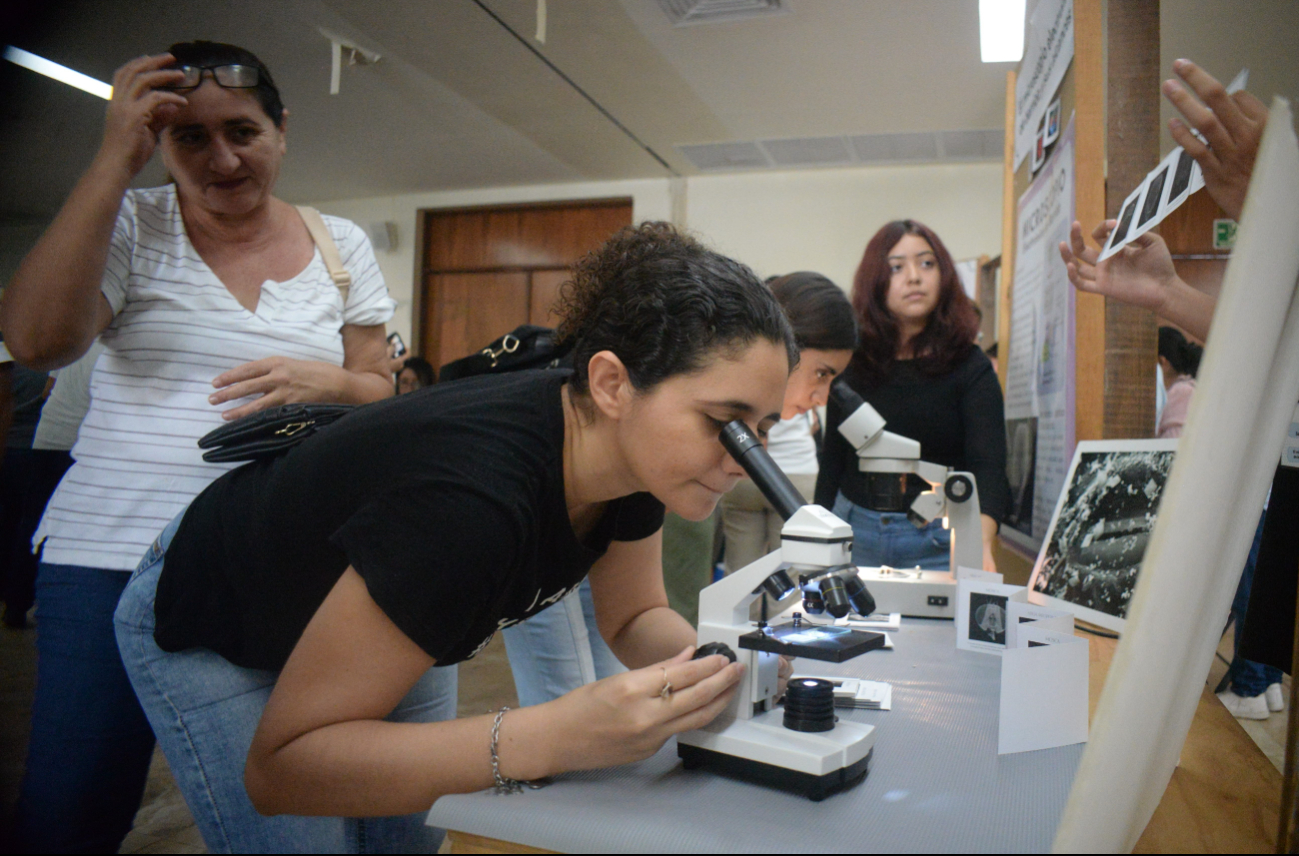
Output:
x,y
952,496
803,747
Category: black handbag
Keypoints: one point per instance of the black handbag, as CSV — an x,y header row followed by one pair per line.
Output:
x,y
268,432
525,347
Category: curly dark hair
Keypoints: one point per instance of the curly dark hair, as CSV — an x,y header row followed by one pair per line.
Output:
x,y
207,54
664,303
952,326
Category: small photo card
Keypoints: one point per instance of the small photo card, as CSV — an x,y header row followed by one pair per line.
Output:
x,y
1044,685
981,614
1052,123
1127,214
1023,615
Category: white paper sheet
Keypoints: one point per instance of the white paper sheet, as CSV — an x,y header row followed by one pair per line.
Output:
x,y
1043,691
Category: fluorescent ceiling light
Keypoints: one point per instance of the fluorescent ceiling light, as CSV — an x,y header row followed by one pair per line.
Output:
x,y
40,65
1001,30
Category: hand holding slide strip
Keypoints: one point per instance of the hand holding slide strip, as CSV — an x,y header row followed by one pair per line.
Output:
x,y
1230,119
1229,155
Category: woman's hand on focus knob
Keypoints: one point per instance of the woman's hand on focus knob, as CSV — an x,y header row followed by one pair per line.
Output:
x,y
625,718
139,110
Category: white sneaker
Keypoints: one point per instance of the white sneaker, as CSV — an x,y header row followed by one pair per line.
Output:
x,y
1275,698
1245,707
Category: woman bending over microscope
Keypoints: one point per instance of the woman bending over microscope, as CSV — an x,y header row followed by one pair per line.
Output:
x,y
290,617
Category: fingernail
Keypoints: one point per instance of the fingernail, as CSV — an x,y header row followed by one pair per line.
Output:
x,y
211,399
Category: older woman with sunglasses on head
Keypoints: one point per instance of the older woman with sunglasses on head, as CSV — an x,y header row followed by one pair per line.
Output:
x,y
212,302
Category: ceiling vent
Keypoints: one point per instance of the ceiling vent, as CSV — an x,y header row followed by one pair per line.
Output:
x,y
808,151
712,157
882,148
922,147
688,13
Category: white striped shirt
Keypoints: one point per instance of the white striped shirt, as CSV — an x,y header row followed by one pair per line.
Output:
x,y
176,327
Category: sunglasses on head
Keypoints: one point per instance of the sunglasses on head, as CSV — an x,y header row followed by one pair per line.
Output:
x,y
230,76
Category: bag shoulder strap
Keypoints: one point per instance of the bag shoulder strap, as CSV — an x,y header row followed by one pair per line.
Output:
x,y
328,249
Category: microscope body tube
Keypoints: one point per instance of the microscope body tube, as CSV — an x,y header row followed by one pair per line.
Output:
x,y
749,453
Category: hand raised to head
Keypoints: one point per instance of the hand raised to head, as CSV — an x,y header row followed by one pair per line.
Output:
x,y
139,110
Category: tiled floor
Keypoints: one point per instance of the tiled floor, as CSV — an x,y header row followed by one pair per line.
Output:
x,y
164,825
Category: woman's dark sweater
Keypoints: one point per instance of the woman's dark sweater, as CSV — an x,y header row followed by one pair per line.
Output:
x,y
958,418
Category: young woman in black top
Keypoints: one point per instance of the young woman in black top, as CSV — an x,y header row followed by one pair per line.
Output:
x,y
917,364
314,592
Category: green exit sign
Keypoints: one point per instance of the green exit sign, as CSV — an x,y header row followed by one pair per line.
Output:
x,y
1224,234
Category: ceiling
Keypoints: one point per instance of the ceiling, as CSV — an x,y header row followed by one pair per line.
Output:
x,y
459,101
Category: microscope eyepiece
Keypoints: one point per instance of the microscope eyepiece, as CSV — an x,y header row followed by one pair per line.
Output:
x,y
845,397
749,453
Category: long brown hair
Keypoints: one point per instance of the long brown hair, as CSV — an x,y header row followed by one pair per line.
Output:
x,y
952,325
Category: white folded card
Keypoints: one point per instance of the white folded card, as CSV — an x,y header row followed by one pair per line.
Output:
x,y
1043,690
978,575
1039,617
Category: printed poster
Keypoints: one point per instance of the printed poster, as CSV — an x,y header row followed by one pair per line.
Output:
x,y
1040,365
1048,50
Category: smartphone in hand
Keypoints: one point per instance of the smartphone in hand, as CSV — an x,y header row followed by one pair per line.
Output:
x,y
394,338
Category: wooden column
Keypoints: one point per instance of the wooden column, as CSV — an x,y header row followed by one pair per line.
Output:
x,y
1132,147
1089,200
1009,201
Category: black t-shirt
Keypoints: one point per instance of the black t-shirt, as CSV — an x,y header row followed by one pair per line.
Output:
x,y
448,501
958,419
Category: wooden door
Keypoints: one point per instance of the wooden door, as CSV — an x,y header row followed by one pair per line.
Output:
x,y
488,270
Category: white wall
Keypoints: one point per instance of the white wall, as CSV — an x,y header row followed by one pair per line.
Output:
x,y
820,220
776,222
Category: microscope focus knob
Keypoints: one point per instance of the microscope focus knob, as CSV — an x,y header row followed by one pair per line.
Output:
x,y
710,648
959,488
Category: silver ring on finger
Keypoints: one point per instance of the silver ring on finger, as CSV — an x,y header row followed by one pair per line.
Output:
x,y
666,692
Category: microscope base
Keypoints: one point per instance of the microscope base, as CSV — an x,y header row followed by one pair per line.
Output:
x,y
913,593
815,788
763,750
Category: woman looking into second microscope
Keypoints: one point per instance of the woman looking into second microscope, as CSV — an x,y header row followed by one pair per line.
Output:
x,y
918,365
826,332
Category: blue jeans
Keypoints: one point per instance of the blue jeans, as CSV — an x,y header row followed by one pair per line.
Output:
x,y
1248,678
558,650
205,711
885,538
90,747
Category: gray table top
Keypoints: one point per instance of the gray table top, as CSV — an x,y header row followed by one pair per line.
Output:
x,y
936,782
